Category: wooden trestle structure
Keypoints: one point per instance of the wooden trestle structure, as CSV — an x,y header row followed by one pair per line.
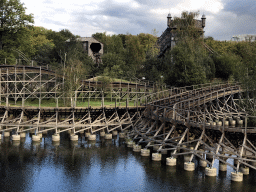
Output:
x,y
63,119
204,122
32,82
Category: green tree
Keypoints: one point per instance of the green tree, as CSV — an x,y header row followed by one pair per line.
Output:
x,y
188,62
12,19
74,73
148,43
135,56
113,65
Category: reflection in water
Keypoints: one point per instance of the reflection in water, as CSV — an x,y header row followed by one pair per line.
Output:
x,y
102,165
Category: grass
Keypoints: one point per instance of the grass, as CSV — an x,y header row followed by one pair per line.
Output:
x,y
99,78
52,103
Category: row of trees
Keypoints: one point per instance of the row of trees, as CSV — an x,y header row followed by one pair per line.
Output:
x,y
126,55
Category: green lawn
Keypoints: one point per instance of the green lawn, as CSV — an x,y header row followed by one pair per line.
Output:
x,y
80,103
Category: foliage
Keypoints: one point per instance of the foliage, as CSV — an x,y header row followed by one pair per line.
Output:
x,y
113,65
125,55
225,65
12,19
187,63
104,82
187,66
186,26
74,73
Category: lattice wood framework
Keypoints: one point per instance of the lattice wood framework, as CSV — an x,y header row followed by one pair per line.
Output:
x,y
17,82
120,91
195,122
28,82
64,119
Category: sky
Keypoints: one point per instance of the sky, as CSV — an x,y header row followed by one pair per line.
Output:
x,y
224,18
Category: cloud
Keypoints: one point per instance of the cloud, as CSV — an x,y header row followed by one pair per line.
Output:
x,y
241,8
225,18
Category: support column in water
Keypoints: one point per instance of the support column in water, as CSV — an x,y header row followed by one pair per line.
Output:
x,y
56,137
156,157
236,176
211,171
171,161
145,152
189,166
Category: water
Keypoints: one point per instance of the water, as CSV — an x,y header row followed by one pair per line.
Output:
x,y
101,166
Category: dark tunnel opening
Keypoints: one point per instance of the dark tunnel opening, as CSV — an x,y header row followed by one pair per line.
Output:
x,y
95,47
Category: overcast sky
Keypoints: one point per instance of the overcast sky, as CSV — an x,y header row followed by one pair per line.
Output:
x,y
224,18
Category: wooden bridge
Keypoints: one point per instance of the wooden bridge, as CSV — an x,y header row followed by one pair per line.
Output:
x,y
209,121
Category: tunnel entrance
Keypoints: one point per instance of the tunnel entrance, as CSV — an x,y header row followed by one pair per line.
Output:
x,y
95,47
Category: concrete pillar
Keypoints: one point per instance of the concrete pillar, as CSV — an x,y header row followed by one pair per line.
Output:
x,y
219,123
56,137
222,166
6,134
202,163
210,171
245,170
121,135
232,122
22,134
130,144
114,133
74,137
189,166
213,124
40,135
156,157
145,152
170,161
36,138
238,177
16,137
240,121
92,137
226,123
102,133
137,148
108,136
87,134
207,124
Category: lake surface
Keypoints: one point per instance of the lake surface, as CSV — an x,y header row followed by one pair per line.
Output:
x,y
100,166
